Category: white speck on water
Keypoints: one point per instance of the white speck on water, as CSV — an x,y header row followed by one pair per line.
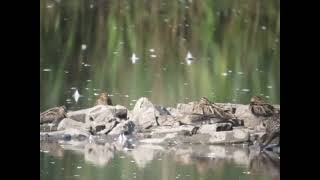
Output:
x,y
96,94
224,74
126,95
132,161
246,172
76,175
76,95
79,167
134,58
89,80
62,168
86,65
153,56
110,95
269,87
240,73
134,177
45,151
268,97
46,70
186,84
188,175
83,46
229,71
122,157
115,52
73,88
245,90
151,50
66,72
189,56
91,5
49,6
257,69
264,28
52,162
121,42
134,100
68,100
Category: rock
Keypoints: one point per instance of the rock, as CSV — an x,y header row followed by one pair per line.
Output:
x,y
144,114
48,127
79,115
225,137
185,108
70,123
214,138
109,127
121,112
250,121
106,113
59,135
209,128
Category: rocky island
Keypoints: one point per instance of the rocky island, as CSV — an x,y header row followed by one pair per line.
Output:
x,y
195,123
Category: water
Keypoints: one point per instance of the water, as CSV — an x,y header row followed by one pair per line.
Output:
x,y
108,161
88,45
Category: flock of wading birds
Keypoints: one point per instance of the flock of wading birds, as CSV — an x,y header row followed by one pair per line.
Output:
x,y
257,106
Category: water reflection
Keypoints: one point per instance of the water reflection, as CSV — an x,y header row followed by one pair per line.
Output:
x,y
84,40
194,161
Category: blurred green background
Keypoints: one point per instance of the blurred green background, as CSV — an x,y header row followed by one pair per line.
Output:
x,y
88,44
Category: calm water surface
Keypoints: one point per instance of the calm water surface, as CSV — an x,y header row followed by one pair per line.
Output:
x,y
110,161
88,45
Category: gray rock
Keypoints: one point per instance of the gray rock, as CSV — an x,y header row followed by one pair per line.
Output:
x,y
185,108
59,135
144,114
70,123
79,115
48,127
250,121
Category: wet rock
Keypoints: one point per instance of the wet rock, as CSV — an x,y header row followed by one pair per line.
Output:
x,y
105,113
59,135
79,115
48,127
145,114
70,123
250,121
108,127
209,128
185,108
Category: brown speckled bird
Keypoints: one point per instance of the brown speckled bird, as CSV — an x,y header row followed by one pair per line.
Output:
x,y
205,107
259,107
53,115
271,120
104,99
